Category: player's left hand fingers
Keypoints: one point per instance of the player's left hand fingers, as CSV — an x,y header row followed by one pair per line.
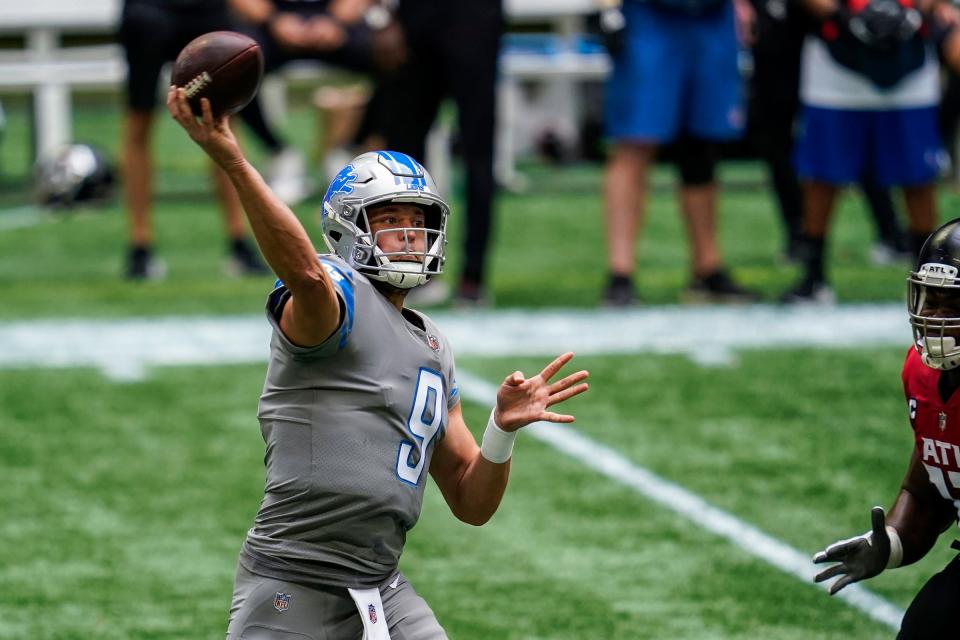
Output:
x,y
569,381
839,550
878,523
515,379
549,416
551,369
830,572
841,583
567,393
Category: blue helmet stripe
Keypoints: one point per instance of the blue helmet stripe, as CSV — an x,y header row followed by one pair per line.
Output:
x,y
401,163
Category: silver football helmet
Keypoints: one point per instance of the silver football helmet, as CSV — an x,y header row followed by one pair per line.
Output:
x,y
74,174
933,298
380,177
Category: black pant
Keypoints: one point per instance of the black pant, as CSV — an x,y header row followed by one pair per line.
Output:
x,y
453,53
933,613
153,33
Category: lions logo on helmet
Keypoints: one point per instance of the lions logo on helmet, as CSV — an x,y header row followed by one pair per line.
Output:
x,y
933,298
376,178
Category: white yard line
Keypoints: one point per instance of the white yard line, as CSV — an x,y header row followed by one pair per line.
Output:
x,y
124,349
20,217
708,335
689,505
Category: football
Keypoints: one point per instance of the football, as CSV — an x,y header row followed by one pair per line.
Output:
x,y
223,66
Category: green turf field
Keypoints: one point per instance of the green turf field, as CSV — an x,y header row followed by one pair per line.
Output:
x,y
125,503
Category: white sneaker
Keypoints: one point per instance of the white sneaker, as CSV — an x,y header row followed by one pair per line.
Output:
x,y
810,292
882,253
287,177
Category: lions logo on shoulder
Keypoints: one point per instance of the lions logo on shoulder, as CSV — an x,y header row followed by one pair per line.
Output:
x,y
433,343
281,602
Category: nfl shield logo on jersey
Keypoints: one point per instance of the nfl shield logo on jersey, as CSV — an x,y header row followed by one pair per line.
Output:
x,y
433,342
372,613
281,602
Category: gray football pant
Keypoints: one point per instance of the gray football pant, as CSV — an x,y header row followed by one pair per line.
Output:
x,y
322,614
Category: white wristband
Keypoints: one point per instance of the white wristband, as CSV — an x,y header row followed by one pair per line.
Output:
x,y
896,548
497,444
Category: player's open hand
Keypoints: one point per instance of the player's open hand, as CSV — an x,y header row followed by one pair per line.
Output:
x,y
859,558
212,134
521,400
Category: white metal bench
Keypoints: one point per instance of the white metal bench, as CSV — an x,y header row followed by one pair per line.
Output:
x,y
48,69
51,70
559,60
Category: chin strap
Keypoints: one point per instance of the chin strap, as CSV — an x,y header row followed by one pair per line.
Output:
x,y
940,353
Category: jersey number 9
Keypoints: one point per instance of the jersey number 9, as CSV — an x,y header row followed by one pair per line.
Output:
x,y
426,417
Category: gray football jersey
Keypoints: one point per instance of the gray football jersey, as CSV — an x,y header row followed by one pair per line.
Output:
x,y
350,427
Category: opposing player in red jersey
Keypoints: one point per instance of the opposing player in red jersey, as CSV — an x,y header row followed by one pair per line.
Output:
x,y
929,498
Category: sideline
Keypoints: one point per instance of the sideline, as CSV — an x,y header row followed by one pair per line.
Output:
x,y
21,217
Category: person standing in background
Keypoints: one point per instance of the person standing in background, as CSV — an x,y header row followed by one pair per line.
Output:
x,y
675,77
448,49
870,88
773,104
152,33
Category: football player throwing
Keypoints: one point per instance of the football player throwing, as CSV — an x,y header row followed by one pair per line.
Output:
x,y
360,402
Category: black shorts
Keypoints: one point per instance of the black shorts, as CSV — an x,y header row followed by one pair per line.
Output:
x,y
933,614
153,33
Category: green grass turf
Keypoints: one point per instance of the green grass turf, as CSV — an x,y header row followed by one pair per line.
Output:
x,y
125,504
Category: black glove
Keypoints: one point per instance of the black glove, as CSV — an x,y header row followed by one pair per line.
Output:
x,y
882,24
612,29
860,558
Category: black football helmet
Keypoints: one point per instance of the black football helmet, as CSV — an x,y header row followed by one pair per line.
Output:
x,y
75,174
933,298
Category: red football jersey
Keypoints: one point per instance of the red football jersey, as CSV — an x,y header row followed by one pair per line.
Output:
x,y
936,426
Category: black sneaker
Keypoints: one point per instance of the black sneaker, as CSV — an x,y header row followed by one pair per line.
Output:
x,y
244,260
620,293
794,253
143,265
809,291
718,287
